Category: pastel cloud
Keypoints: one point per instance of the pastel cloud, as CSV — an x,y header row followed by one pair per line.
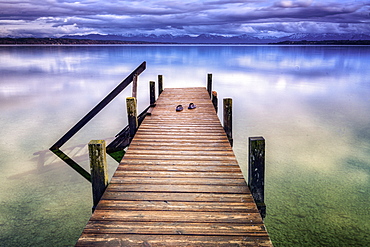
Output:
x,y
58,17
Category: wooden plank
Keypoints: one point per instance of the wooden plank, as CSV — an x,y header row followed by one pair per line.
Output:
x,y
178,174
179,181
178,188
176,157
177,216
180,240
147,126
180,140
170,138
177,167
176,228
178,206
180,162
181,135
177,146
180,151
191,143
180,197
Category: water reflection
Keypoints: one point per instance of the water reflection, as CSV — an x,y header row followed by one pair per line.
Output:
x,y
308,102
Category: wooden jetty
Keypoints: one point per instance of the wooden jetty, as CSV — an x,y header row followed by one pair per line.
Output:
x,y
179,184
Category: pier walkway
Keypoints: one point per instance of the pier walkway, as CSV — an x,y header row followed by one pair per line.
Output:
x,y
179,184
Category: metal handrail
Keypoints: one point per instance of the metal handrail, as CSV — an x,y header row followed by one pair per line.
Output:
x,y
56,147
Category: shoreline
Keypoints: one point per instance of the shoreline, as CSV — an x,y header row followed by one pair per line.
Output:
x,y
67,41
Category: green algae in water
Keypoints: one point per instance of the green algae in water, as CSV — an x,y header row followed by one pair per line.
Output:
x,y
46,209
318,210
325,204
117,156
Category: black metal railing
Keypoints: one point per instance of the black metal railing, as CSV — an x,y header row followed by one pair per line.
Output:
x,y
56,147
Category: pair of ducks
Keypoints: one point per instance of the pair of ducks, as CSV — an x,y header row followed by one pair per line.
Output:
x,y
191,106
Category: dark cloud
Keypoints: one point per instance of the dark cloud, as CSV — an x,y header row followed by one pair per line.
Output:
x,y
57,17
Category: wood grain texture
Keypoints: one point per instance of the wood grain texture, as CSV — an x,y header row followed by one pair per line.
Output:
x,y
179,184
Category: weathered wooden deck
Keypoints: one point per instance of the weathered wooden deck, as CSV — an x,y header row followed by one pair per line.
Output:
x,y
179,184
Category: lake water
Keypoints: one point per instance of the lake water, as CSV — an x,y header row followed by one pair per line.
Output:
x,y
310,103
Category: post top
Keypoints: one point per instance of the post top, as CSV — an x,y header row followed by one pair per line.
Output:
x,y
97,142
257,138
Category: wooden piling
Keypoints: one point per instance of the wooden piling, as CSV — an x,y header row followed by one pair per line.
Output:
x,y
209,85
256,172
132,115
98,168
215,100
160,84
228,119
134,86
152,93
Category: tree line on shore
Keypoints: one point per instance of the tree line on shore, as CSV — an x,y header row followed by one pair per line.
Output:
x,y
68,41
62,41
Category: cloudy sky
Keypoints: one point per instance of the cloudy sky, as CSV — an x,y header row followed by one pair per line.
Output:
x,y
55,18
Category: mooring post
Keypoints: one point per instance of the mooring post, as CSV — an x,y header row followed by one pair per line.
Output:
x,y
98,168
228,119
209,85
134,86
215,100
256,172
132,115
160,84
152,93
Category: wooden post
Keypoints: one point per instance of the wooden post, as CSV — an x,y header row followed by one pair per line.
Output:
x,y
132,115
256,172
134,86
98,168
152,93
215,100
160,84
228,119
209,85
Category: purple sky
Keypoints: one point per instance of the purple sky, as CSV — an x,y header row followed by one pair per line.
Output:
x,y
55,18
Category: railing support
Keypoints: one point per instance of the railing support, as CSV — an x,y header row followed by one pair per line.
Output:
x,y
228,119
134,86
152,93
99,171
160,84
215,100
209,85
256,172
132,115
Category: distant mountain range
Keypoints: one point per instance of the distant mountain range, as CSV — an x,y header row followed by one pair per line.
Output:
x,y
218,39
300,38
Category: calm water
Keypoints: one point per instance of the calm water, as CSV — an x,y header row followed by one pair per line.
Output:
x,y
311,104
